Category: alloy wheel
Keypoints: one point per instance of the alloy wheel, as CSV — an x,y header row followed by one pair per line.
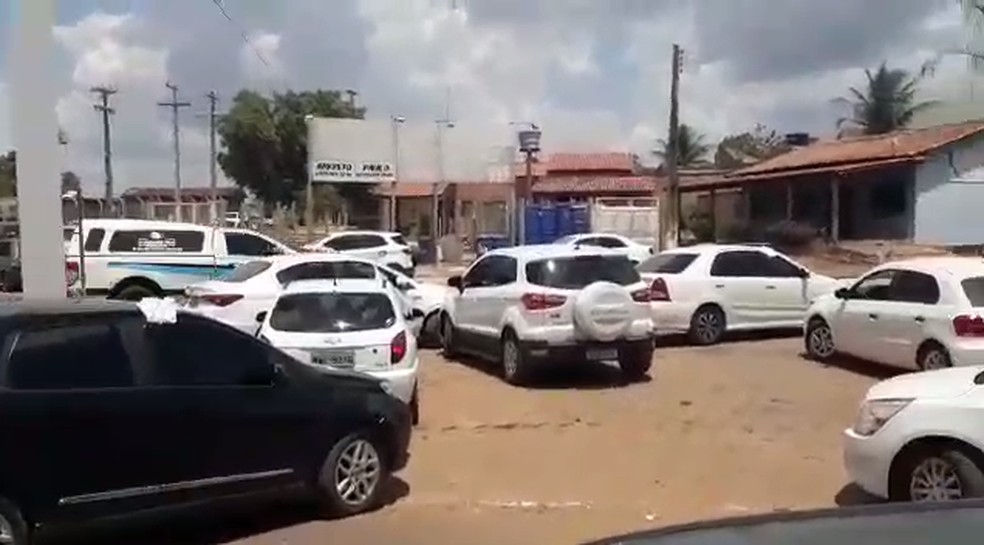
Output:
x,y
510,358
357,472
706,325
821,341
935,479
935,359
6,531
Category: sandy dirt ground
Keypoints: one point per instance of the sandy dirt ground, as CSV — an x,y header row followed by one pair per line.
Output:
x,y
745,426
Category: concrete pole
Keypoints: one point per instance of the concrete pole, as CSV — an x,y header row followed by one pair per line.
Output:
x,y
35,125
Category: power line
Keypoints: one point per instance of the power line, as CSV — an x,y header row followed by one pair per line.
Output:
x,y
175,107
242,33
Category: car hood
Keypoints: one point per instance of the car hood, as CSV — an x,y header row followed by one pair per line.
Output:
x,y
429,295
943,383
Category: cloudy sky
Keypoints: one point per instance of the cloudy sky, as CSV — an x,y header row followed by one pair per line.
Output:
x,y
593,73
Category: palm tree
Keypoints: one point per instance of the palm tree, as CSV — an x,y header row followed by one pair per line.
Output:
x,y
691,147
888,102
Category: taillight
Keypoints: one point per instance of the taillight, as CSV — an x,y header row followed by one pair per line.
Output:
x,y
542,301
658,290
398,347
220,300
71,272
968,326
642,296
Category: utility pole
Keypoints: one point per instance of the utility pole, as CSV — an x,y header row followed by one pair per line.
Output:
x,y
436,192
103,107
391,220
213,99
175,107
669,224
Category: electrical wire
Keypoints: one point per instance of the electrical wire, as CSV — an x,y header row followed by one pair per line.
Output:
x,y
245,36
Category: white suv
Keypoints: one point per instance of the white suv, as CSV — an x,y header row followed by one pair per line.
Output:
x,y
530,305
385,247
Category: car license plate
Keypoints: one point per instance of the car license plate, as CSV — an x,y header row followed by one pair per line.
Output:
x,y
601,354
336,358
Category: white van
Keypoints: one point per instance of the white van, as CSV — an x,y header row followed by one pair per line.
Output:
x,y
132,259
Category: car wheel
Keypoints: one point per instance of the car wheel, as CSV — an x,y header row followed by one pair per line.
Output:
x,y
352,476
707,325
515,367
447,338
13,528
933,356
430,330
135,292
940,474
636,363
819,340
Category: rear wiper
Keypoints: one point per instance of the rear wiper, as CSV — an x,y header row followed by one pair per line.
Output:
x,y
979,378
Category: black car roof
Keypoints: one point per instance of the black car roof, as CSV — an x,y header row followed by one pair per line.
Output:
x,y
57,307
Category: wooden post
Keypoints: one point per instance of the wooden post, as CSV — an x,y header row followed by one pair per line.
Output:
x,y
789,201
835,209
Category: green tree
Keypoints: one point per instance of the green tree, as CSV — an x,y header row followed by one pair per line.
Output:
x,y
692,149
886,103
8,174
264,142
750,147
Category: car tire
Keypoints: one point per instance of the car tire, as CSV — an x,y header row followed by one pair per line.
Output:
x,y
13,528
635,363
706,325
430,331
448,334
819,340
135,292
933,356
358,459
946,462
516,367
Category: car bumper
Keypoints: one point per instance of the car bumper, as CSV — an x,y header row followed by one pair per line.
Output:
x,y
867,461
588,351
671,317
970,352
402,382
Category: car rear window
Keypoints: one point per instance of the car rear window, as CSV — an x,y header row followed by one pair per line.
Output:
x,y
332,312
246,271
974,290
581,271
667,263
399,240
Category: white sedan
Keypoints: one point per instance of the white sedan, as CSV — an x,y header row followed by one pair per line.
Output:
x,y
350,324
636,252
920,437
253,287
709,289
918,314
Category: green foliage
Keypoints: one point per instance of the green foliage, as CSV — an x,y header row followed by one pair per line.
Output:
x,y
692,149
887,102
750,147
70,182
8,174
265,143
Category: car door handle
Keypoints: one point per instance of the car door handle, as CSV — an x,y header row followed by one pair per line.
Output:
x,y
919,319
770,287
381,252
719,286
872,316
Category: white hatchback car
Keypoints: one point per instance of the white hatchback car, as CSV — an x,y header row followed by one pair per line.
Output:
x,y
351,324
920,437
636,252
530,305
385,247
922,313
709,289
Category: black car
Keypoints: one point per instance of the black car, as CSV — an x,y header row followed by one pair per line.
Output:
x,y
940,523
104,414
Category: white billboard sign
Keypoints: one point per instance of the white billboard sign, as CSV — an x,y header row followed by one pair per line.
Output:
x,y
333,170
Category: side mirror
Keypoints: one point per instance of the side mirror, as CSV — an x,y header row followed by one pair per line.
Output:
x,y
403,286
261,317
803,273
416,314
455,281
842,293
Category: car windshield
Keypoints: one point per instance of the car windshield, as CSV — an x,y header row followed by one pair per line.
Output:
x,y
246,271
581,271
667,263
335,312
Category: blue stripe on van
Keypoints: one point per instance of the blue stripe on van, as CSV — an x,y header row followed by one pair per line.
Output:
x,y
206,270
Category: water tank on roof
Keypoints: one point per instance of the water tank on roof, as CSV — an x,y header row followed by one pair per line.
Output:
x,y
798,139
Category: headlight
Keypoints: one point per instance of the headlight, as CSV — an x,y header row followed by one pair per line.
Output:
x,y
876,413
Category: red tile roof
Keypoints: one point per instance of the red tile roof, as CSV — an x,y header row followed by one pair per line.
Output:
x,y
585,162
912,144
595,184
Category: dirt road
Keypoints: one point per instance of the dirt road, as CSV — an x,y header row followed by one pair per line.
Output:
x,y
742,427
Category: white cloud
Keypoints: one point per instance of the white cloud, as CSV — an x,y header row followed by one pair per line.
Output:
x,y
5,137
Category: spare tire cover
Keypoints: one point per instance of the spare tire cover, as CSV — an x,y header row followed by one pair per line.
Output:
x,y
603,311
